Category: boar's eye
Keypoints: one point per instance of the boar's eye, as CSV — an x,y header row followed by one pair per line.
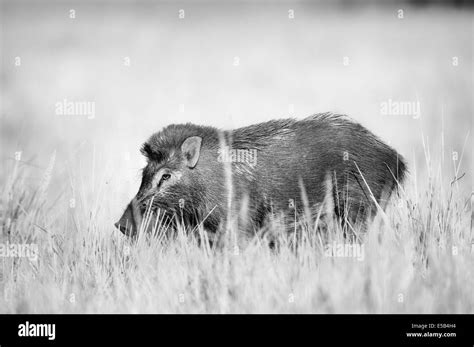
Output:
x,y
165,177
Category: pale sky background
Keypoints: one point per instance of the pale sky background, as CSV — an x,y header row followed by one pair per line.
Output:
x,y
286,67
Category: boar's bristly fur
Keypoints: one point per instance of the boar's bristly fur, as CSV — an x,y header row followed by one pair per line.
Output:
x,y
275,166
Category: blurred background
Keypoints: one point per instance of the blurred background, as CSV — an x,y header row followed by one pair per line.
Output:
x,y
402,69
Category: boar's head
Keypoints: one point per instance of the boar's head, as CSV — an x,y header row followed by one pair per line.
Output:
x,y
171,186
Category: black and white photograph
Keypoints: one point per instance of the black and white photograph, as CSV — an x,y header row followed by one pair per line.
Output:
x,y
236,158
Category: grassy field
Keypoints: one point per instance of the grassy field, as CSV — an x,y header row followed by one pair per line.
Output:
x,y
419,258
66,180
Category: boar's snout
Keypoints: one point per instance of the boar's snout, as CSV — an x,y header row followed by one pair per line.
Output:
x,y
126,229
128,223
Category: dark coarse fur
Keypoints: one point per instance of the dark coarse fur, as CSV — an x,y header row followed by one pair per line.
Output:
x,y
291,154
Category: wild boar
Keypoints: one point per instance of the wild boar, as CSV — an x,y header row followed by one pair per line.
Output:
x,y
279,166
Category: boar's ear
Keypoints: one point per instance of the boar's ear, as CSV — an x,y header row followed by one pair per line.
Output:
x,y
191,149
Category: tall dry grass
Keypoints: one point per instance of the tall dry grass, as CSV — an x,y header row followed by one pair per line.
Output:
x,y
417,257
